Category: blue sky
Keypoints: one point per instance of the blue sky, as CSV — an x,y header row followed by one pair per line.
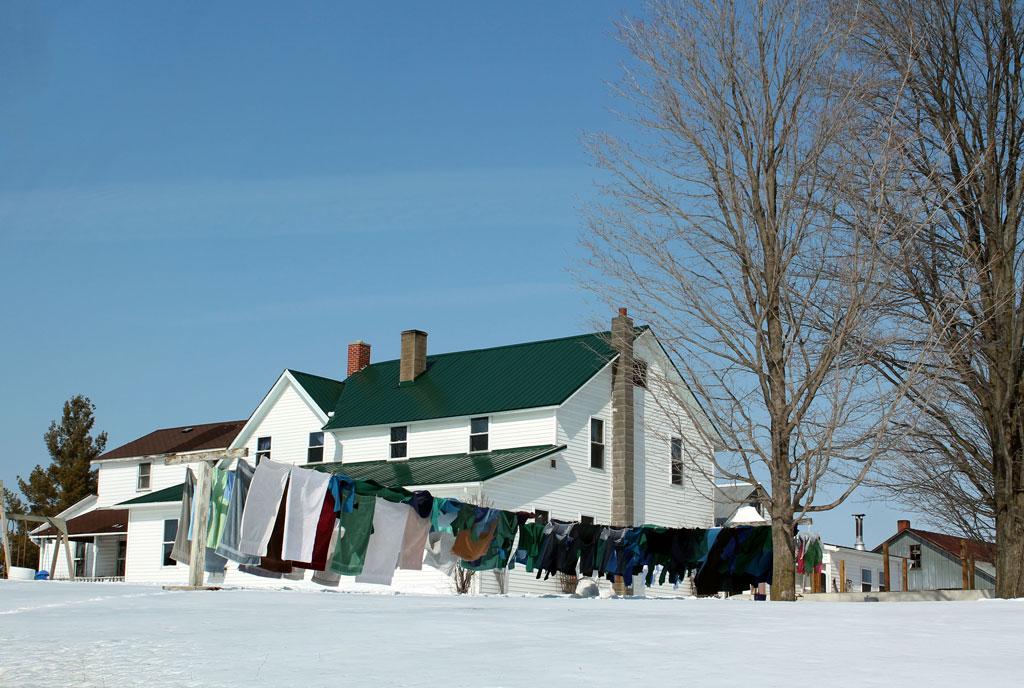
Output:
x,y
196,195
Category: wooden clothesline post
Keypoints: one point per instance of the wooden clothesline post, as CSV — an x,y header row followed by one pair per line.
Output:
x,y
200,504
58,524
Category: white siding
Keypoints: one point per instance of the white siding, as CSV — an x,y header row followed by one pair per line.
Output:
x,y
507,430
855,562
117,481
659,418
144,563
288,419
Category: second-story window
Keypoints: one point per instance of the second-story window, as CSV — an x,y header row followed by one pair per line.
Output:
x,y
400,442
145,471
677,461
315,453
478,431
262,449
596,443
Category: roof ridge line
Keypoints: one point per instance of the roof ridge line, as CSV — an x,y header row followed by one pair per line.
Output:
x,y
322,377
504,346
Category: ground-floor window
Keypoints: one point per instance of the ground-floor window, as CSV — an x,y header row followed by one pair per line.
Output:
x,y
170,532
122,555
79,559
865,580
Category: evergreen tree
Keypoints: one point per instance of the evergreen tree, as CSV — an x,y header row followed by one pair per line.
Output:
x,y
69,477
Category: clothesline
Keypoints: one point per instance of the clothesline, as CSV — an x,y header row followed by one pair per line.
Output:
x,y
278,520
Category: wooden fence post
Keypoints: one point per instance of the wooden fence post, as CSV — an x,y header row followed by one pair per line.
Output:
x,y
906,578
970,572
842,575
963,564
885,566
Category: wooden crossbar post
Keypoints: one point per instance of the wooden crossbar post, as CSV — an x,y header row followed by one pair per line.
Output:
x,y
201,504
906,577
842,575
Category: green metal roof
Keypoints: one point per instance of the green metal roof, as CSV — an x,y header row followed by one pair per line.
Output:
x,y
437,470
168,494
466,383
423,470
323,390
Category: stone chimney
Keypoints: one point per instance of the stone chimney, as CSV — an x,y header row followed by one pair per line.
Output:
x,y
358,357
623,493
902,524
414,355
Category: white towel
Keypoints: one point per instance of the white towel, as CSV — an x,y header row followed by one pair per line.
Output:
x,y
261,505
305,501
389,521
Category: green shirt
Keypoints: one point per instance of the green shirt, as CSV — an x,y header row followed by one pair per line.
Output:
x,y
353,537
218,507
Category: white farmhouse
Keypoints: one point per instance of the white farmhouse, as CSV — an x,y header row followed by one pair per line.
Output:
x,y
595,427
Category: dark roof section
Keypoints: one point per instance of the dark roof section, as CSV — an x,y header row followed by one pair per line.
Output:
x,y
424,470
979,550
466,383
168,494
438,470
323,390
97,521
181,439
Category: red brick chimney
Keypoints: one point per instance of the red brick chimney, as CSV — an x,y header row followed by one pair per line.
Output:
x,y
902,524
358,356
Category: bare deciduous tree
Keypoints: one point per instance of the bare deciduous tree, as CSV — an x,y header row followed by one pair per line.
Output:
x,y
951,77
724,226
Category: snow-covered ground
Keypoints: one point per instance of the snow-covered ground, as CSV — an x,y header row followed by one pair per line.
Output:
x,y
94,634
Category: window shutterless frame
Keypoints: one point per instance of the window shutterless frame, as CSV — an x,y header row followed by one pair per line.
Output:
x,y
145,476
315,452
399,444
262,449
479,431
676,457
170,532
596,443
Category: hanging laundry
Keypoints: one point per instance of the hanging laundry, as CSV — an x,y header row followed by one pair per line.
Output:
x,y
438,552
500,549
327,577
474,528
389,519
443,513
307,491
528,546
322,538
219,502
417,528
738,558
353,537
261,506
556,548
272,560
182,548
343,489
232,531
587,536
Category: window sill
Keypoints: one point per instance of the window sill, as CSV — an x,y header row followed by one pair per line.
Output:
x,y
143,489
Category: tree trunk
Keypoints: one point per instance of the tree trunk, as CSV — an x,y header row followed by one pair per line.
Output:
x,y
1009,544
783,561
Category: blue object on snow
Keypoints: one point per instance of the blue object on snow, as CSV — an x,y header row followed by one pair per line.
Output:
x,y
42,575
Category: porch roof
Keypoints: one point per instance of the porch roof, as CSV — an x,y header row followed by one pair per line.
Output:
x,y
95,522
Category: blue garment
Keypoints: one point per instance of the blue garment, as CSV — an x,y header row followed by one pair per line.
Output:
x,y
343,489
443,514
